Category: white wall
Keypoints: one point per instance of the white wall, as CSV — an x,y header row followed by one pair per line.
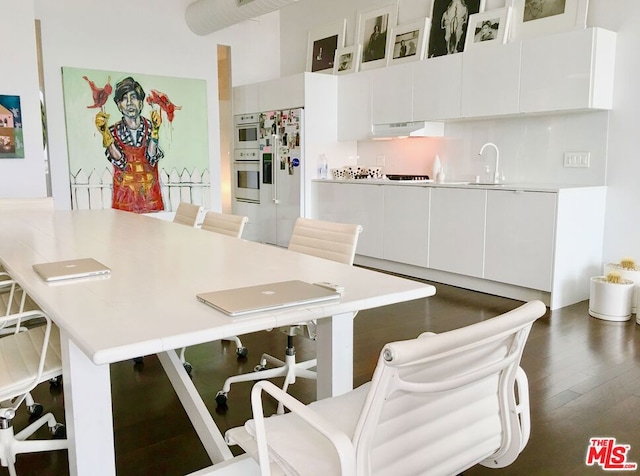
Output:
x,y
22,177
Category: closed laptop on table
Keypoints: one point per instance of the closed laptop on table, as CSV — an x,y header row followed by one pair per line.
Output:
x,y
266,297
70,269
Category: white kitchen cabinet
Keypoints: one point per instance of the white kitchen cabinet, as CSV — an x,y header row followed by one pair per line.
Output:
x,y
568,71
437,83
354,106
281,93
520,234
457,228
491,80
361,204
406,224
245,99
392,94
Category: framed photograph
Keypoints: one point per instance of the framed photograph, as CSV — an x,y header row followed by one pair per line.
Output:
x,y
346,60
449,20
374,33
407,42
488,28
531,18
322,45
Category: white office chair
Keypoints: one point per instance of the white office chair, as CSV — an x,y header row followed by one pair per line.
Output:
x,y
436,405
27,358
329,240
230,225
187,214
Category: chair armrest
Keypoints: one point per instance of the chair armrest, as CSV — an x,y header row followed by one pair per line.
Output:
x,y
522,406
340,441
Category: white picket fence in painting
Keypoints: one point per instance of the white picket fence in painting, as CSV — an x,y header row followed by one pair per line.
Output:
x,y
91,190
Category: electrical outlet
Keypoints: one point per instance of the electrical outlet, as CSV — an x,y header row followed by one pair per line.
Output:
x,y
577,159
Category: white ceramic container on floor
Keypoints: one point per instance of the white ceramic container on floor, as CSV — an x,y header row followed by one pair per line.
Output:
x,y
610,301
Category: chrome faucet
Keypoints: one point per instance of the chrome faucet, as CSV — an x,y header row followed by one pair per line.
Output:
x,y
496,174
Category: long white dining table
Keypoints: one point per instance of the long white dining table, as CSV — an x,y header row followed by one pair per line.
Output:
x,y
147,305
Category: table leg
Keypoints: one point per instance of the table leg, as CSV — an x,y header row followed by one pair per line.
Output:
x,y
207,430
88,413
334,350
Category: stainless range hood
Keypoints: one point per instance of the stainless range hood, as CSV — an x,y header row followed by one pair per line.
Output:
x,y
407,129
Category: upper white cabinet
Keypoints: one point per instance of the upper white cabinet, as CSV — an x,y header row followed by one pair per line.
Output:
x,y
457,225
392,94
354,106
491,80
437,83
520,236
560,72
572,70
281,93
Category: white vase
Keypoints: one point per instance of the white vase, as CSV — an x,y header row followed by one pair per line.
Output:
x,y
626,273
610,301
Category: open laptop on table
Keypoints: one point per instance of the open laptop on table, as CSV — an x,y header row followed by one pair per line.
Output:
x,y
267,297
70,269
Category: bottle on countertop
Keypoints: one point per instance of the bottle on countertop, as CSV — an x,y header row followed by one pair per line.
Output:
x,y
436,167
323,167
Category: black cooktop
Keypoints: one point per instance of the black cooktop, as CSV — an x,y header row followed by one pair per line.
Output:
x,y
407,177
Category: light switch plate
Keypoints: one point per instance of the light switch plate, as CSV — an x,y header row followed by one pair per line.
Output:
x,y
577,159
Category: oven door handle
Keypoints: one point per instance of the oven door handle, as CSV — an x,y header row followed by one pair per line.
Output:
x,y
274,169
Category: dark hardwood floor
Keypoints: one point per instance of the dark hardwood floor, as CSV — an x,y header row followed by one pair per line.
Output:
x,y
584,377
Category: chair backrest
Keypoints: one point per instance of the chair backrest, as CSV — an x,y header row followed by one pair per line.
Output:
x,y
43,203
187,214
325,239
224,223
445,402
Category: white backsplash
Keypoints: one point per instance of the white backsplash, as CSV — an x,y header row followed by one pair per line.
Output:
x,y
531,149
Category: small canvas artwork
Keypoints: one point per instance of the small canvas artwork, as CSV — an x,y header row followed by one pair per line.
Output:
x,y
11,139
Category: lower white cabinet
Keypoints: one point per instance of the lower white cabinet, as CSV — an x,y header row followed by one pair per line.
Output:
x,y
520,233
360,204
457,226
406,224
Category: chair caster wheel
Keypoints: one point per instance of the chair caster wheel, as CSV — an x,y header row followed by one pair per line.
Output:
x,y
55,381
242,352
221,398
188,367
259,368
35,411
58,431
138,360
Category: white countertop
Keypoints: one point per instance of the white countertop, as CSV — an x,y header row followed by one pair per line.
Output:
x,y
523,186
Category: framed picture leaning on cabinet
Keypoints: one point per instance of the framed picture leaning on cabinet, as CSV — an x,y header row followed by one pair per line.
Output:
x,y
346,60
449,21
533,18
407,42
374,35
488,28
322,45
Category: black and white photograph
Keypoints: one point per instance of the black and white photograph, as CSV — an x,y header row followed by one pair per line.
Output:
x,y
322,45
536,9
449,22
374,34
488,28
407,42
346,60
532,18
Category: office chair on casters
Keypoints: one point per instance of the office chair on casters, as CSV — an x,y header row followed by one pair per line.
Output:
x,y
329,240
27,358
230,225
436,405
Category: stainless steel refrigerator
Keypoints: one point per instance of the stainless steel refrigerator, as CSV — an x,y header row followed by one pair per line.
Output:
x,y
282,174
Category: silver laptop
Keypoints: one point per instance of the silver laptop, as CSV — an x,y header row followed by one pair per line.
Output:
x,y
70,269
266,297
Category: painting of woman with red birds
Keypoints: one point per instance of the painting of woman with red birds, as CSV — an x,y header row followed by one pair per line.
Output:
x,y
140,127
